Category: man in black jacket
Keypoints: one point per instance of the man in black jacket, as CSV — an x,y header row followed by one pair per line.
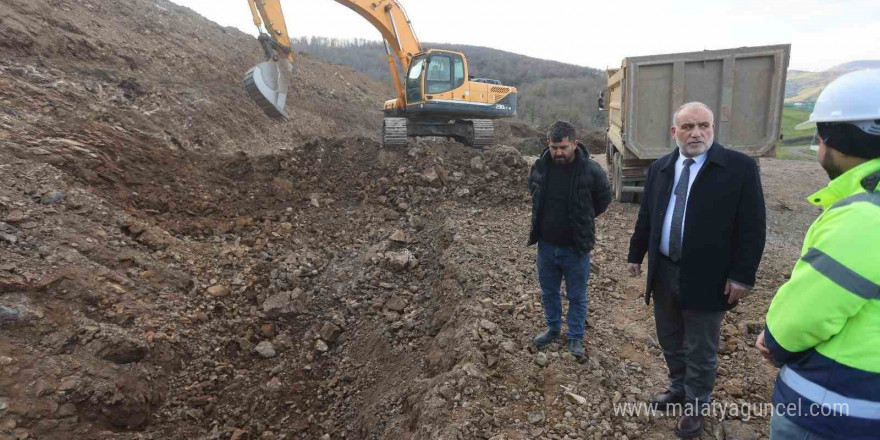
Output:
x,y
568,191
702,223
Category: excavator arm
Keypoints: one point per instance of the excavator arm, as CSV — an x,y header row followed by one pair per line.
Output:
x,y
267,82
389,17
268,15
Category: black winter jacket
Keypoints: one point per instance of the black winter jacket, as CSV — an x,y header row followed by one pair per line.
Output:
x,y
724,228
589,196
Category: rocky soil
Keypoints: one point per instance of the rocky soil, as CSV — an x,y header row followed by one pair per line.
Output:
x,y
174,265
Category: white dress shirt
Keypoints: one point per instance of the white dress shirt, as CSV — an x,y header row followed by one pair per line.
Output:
x,y
670,208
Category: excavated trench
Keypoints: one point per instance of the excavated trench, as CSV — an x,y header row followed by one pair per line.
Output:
x,y
302,293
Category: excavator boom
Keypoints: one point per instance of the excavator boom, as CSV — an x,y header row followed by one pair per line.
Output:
x,y
389,17
267,82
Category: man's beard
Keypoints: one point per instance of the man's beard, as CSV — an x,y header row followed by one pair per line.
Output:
x,y
831,167
692,151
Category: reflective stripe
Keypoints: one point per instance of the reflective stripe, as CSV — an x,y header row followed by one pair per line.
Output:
x,y
863,197
864,409
841,275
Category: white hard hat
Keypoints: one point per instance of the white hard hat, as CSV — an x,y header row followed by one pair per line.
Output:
x,y
853,98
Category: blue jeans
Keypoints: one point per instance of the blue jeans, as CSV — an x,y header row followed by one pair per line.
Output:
x,y
782,428
554,263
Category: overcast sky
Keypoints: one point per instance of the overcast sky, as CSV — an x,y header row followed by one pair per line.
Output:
x,y
823,33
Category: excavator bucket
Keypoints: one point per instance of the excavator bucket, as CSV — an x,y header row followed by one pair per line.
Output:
x,y
266,83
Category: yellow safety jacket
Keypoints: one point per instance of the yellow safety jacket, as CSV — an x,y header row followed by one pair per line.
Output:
x,y
823,326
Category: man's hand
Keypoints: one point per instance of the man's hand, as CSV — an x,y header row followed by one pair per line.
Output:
x,y
735,292
634,269
762,348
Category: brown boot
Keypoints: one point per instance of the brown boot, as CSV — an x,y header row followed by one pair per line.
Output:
x,y
690,426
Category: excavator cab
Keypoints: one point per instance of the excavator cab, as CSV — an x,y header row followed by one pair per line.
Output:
x,y
434,73
445,72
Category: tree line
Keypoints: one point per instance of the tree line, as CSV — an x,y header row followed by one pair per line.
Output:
x,y
548,90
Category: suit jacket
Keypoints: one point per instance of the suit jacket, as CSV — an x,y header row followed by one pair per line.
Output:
x,y
724,229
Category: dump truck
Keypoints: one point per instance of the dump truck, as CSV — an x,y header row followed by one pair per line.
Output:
x,y
744,87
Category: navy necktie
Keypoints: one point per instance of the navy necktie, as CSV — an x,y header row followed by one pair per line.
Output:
x,y
681,194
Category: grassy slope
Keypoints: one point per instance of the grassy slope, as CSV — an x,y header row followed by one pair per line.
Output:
x,y
790,118
803,86
794,141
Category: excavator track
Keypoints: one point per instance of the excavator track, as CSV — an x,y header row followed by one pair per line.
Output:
x,y
394,132
484,133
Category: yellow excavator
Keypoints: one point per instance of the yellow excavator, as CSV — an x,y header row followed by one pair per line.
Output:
x,y
436,98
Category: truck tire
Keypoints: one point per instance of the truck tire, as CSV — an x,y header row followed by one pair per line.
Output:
x,y
617,181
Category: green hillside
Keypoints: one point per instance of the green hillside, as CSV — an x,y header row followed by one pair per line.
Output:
x,y
790,118
804,87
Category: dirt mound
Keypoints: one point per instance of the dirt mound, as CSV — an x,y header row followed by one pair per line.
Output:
x,y
157,73
530,141
594,140
507,129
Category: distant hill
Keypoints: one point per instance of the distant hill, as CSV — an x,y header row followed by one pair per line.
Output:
x,y
548,90
855,65
803,87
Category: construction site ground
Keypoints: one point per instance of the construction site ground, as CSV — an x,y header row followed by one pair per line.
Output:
x,y
174,265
